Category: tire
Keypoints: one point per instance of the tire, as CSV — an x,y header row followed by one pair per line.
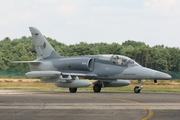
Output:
x,y
97,88
72,90
137,90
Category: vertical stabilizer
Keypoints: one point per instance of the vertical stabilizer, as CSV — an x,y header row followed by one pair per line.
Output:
x,y
42,46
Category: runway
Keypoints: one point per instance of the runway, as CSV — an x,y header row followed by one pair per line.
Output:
x,y
87,105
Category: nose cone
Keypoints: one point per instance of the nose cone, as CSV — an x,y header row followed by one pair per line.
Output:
x,y
161,75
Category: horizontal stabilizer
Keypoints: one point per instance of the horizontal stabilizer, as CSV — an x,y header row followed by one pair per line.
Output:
x,y
26,62
43,74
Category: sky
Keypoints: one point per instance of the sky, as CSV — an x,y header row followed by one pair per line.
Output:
x,y
154,22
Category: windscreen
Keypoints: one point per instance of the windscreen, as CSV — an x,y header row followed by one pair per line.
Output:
x,y
123,61
118,60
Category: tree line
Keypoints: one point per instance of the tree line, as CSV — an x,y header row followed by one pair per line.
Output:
x,y
158,57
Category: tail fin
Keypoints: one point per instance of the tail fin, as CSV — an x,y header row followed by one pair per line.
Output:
x,y
42,46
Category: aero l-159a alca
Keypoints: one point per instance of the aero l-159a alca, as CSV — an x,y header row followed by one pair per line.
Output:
x,y
108,70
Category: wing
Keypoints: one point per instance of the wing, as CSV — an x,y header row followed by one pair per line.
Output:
x,y
62,79
56,74
80,74
43,74
26,62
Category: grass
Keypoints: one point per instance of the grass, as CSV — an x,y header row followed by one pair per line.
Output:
x,y
35,84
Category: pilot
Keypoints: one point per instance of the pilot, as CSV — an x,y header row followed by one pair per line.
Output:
x,y
119,61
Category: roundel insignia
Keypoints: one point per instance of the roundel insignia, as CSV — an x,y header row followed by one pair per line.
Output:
x,y
43,45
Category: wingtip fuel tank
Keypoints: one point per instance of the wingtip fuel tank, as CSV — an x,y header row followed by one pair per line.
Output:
x,y
73,84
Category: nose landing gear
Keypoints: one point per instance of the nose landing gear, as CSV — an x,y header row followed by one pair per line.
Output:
x,y
137,89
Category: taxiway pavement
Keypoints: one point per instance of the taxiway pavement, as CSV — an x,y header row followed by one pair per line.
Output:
x,y
87,105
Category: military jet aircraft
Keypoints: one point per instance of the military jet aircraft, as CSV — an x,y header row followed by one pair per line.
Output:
x,y
108,70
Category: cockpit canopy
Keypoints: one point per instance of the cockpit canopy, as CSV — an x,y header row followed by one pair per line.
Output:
x,y
118,60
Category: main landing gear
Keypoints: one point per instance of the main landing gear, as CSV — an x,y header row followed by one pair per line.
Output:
x,y
97,88
73,90
137,89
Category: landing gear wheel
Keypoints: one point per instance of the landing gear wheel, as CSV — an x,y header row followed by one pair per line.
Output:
x,y
97,88
137,89
72,90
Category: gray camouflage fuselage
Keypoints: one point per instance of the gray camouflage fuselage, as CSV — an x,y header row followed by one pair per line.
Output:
x,y
104,69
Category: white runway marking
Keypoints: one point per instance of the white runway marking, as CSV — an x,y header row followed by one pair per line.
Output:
x,y
10,93
122,106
